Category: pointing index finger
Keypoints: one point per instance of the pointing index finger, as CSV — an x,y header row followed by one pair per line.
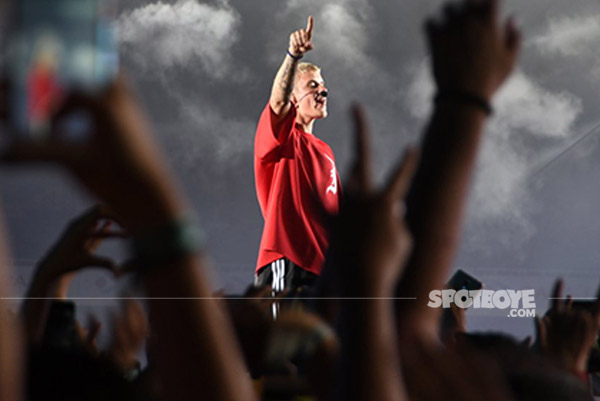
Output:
x,y
557,302
309,25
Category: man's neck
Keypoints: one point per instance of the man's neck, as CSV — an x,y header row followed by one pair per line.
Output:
x,y
305,124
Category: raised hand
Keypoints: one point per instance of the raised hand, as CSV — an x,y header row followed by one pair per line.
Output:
x,y
130,332
438,373
119,163
454,320
88,335
472,55
369,247
371,229
75,249
73,252
472,52
567,335
301,40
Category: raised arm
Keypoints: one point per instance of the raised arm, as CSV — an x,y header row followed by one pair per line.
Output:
x,y
197,356
73,251
11,350
472,56
370,244
567,335
300,43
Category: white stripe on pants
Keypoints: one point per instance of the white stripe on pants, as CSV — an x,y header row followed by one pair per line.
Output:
x,y
278,284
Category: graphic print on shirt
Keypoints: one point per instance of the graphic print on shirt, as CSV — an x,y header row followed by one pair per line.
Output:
x,y
333,186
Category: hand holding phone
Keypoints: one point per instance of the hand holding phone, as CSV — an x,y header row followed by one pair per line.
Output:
x,y
462,280
56,47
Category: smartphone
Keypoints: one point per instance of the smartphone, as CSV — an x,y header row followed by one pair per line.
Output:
x,y
461,280
54,47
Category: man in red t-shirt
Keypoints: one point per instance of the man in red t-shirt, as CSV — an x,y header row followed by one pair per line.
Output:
x,y
297,183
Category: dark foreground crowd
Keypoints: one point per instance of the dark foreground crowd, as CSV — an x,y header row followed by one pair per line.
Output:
x,y
364,332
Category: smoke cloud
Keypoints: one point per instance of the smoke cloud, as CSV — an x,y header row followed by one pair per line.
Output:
x,y
529,122
569,36
224,141
165,39
186,33
572,37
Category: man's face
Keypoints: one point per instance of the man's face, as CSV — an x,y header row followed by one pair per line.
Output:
x,y
307,94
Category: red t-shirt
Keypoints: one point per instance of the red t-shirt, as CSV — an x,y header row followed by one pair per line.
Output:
x,y
43,91
297,186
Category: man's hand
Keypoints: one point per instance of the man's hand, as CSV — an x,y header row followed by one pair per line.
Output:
x,y
370,229
73,252
471,51
119,163
283,85
454,320
471,55
567,335
130,332
75,249
457,374
301,40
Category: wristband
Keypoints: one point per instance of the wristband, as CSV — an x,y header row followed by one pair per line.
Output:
x,y
297,58
465,98
168,243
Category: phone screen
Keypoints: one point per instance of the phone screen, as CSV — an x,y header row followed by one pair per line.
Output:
x,y
56,46
461,280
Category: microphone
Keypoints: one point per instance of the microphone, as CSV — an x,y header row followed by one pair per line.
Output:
x,y
323,94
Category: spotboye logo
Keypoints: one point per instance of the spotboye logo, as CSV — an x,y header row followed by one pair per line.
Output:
x,y
520,303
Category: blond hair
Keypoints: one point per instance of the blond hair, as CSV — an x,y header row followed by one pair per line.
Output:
x,y
306,67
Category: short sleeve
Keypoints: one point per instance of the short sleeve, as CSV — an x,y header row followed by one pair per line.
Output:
x,y
270,133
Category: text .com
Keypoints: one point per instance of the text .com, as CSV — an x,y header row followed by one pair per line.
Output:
x,y
519,303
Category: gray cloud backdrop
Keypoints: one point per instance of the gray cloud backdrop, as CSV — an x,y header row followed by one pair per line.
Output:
x,y
203,70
